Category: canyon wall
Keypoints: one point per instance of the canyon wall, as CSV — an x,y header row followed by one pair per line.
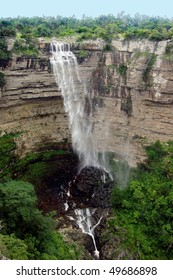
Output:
x,y
132,97
31,103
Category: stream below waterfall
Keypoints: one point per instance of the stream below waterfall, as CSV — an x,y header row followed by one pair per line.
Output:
x,y
84,218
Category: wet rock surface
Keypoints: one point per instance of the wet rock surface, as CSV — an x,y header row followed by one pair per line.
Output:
x,y
93,186
54,179
64,191
84,206
80,198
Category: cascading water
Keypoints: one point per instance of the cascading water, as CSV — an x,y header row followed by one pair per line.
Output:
x,y
76,100
84,221
75,95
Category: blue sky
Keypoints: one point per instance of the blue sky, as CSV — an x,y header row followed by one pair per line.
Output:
x,y
94,8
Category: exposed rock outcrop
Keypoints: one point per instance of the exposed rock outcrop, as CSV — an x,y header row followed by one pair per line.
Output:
x,y
93,186
32,103
133,97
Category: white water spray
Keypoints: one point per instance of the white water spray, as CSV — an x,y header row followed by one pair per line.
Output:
x,y
75,95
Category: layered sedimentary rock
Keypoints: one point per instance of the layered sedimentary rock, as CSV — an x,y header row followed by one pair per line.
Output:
x,y
132,97
32,103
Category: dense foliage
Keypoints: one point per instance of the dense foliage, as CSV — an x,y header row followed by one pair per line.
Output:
x,y
106,27
5,54
26,47
143,212
25,226
7,154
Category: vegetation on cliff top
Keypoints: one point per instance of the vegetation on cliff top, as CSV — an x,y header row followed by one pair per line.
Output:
x,y
105,27
26,31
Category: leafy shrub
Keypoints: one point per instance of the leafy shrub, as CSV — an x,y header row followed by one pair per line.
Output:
x,y
82,55
13,248
155,151
107,47
122,69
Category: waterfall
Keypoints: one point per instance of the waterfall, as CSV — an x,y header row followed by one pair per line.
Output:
x,y
76,102
78,106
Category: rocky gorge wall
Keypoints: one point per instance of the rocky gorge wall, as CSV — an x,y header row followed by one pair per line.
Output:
x,y
32,103
132,97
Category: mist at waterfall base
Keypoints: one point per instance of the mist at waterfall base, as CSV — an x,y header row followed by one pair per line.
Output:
x,y
78,106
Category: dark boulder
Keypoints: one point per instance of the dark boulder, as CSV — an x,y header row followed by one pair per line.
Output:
x,y
93,186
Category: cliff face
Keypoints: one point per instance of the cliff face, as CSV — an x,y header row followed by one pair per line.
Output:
x,y
132,90
133,97
31,102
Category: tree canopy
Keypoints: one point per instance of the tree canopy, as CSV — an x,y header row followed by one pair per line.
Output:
x,y
104,26
26,232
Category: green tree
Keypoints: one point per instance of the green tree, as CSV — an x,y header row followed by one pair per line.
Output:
x,y
20,216
13,248
7,154
42,31
17,207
